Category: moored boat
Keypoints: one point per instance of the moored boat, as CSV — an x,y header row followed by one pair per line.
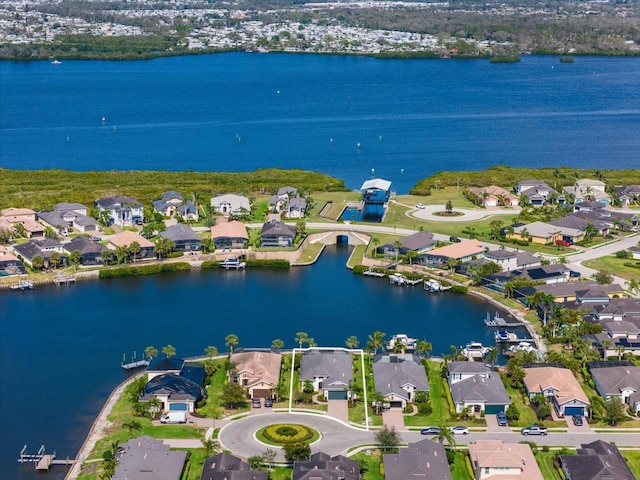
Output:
x,y
408,343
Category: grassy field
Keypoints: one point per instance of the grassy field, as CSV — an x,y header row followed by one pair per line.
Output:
x,y
614,266
545,462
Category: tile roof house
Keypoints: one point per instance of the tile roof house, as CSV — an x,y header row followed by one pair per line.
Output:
x,y
277,234
321,466
462,251
16,218
231,234
586,189
597,460
560,387
121,210
184,237
172,203
90,251
329,371
225,466
9,264
231,204
620,381
480,393
493,196
147,458
494,459
538,232
398,377
126,238
423,460
258,372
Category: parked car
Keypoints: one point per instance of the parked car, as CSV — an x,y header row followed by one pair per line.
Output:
x,y
420,206
174,417
255,403
460,430
574,274
534,430
268,402
430,431
577,420
502,419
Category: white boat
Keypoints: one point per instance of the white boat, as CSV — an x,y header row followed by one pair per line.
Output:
x,y
397,279
502,335
56,62
522,347
408,343
232,263
475,350
432,285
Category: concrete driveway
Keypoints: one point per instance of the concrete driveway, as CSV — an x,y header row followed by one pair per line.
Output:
x,y
394,416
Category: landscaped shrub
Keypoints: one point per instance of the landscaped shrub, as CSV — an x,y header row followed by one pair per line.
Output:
x,y
424,409
268,263
287,433
451,456
459,289
209,264
144,270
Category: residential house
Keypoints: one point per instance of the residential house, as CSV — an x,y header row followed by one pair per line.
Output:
x,y
184,237
597,460
635,252
462,251
507,259
480,393
423,460
258,372
126,238
560,387
22,221
458,371
90,251
121,211
160,366
493,196
419,242
537,232
398,377
627,195
277,234
172,203
225,466
288,202
618,381
230,204
230,235
321,466
572,228
329,370
552,273
590,190
44,248
145,458
10,264
67,216
604,219
177,391
494,459
538,193
572,291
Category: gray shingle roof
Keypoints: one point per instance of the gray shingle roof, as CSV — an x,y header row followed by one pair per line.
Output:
x,y
320,465
486,389
392,372
597,461
335,367
225,466
612,380
180,232
145,458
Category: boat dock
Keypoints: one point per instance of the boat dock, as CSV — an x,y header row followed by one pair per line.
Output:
x,y
498,321
43,461
22,285
133,364
510,337
233,263
371,273
399,279
64,279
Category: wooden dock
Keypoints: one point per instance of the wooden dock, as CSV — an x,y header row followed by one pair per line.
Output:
x,y
134,363
22,285
64,279
43,461
498,321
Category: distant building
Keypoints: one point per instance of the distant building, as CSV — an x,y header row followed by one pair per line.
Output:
x,y
277,234
231,204
172,204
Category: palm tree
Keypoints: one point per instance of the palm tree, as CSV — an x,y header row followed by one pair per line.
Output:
x,y
132,425
446,434
589,232
55,259
456,353
231,341
106,256
134,249
169,351
397,245
606,345
375,241
303,337
37,262
524,235
74,258
620,351
492,355
151,352
633,285
211,447
376,341
352,342
277,344
423,348
211,351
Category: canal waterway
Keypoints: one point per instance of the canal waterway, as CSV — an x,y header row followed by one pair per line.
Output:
x,y
61,347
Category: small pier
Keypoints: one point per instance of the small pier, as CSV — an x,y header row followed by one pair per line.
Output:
x,y
43,461
134,363
22,285
399,279
371,273
64,279
498,321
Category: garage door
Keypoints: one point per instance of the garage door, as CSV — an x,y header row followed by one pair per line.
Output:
x,y
179,407
574,411
396,404
337,395
260,393
489,409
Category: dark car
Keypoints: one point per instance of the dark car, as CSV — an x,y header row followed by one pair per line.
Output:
x,y
574,274
502,419
577,420
268,402
255,403
430,431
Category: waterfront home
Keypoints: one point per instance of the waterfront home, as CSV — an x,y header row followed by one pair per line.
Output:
x,y
375,195
537,232
277,234
10,264
492,196
177,391
458,371
574,291
480,393
552,273
288,202
462,252
398,377
494,459
225,466
538,193
296,207
21,221
75,216
560,387
627,195
257,372
185,239
588,190
597,460
126,238
621,381
419,242
90,251
146,457
159,366
423,460
322,466
172,203
329,371
231,204
120,210
45,248
231,234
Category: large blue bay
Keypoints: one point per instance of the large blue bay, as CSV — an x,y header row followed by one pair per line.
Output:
x,y
60,348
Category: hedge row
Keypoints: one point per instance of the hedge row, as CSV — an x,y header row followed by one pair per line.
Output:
x,y
268,263
287,433
144,270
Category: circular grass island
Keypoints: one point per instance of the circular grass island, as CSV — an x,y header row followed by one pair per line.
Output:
x,y
447,213
281,434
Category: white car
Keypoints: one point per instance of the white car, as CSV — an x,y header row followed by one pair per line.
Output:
x,y
460,430
420,206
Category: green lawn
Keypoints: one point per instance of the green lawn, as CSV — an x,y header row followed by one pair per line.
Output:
x,y
633,459
614,266
460,470
280,473
370,464
439,404
545,462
